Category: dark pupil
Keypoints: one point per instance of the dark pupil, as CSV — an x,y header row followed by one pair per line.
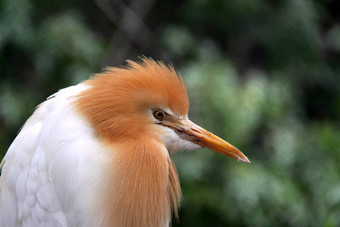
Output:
x,y
159,114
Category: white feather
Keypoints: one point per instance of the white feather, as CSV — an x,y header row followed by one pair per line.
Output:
x,y
174,143
34,190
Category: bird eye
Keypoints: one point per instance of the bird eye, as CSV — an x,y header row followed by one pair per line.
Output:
x,y
159,114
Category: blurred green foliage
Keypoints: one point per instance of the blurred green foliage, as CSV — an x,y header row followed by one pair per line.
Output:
x,y
262,74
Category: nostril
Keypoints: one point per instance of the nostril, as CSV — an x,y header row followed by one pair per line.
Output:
x,y
195,130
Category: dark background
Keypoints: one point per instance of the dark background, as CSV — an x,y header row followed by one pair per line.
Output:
x,y
262,74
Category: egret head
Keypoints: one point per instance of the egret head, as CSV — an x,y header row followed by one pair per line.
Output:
x,y
147,100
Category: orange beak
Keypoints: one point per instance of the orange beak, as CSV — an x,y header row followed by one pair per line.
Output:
x,y
188,130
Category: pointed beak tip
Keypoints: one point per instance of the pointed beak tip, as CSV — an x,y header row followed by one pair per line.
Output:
x,y
244,160
238,155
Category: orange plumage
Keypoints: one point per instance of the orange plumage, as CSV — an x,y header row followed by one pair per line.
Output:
x,y
116,106
99,153
124,95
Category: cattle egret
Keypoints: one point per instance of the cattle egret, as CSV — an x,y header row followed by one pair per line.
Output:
x,y
99,153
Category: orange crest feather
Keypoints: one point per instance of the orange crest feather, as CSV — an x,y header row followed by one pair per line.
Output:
x,y
120,97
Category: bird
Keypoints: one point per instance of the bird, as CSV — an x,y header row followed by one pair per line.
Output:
x,y
99,153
